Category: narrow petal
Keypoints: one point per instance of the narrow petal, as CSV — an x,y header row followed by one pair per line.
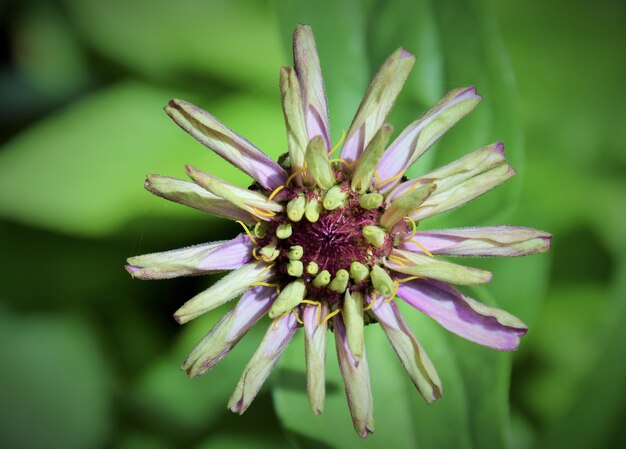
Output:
x,y
366,165
248,200
491,241
315,351
377,102
464,316
213,134
192,195
420,135
353,319
193,260
318,164
229,330
297,137
433,268
405,204
227,288
262,362
356,378
413,357
307,65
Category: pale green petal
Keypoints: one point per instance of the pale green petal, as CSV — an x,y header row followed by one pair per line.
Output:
x,y
318,164
315,351
297,137
366,164
353,318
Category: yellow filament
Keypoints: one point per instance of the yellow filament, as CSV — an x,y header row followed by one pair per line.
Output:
x,y
410,220
341,139
428,253
275,192
255,230
371,304
266,269
319,308
393,295
415,185
295,314
277,320
245,228
293,175
398,259
410,278
264,284
330,315
255,255
386,181
343,161
263,213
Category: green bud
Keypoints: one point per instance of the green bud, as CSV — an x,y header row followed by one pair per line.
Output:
x,y
405,205
312,268
334,198
294,268
322,279
318,164
295,208
367,163
358,271
371,201
375,235
289,297
312,210
295,252
269,252
382,281
340,282
283,231
353,319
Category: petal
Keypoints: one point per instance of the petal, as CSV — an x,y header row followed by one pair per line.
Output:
x,y
433,268
229,330
213,134
356,378
464,316
318,164
193,195
248,200
499,241
413,357
377,102
315,351
307,65
353,319
297,137
193,260
230,286
366,165
420,135
262,362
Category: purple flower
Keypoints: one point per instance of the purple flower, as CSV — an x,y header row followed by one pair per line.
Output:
x,y
330,242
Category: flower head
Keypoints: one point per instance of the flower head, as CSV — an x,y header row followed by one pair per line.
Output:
x,y
330,242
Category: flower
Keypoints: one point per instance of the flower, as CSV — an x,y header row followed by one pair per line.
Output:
x,y
330,242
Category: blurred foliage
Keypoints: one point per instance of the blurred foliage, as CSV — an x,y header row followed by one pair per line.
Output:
x,y
89,358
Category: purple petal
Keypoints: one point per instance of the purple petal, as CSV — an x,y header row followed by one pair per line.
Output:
x,y
464,316
193,260
501,241
229,330
216,136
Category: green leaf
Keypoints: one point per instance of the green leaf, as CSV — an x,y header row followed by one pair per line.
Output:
x,y
55,384
82,170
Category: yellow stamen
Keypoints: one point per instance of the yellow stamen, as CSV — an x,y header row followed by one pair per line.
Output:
x,y
398,259
319,308
277,320
410,278
275,192
255,255
341,139
255,230
393,295
428,253
295,314
415,185
343,161
263,213
386,181
293,175
264,284
330,315
266,269
245,228
371,304
409,219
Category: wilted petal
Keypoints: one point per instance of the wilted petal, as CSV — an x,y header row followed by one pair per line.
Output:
x,y
377,102
315,351
230,286
499,241
433,268
464,316
309,73
213,134
193,260
297,137
262,362
248,200
413,357
192,195
229,330
356,378
420,135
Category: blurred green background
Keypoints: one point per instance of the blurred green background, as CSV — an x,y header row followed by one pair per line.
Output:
x,y
89,358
